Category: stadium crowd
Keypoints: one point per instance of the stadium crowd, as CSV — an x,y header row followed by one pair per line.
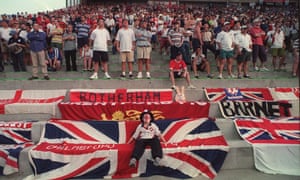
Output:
x,y
236,34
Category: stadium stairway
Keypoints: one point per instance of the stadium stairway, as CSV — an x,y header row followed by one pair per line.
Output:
x,y
239,164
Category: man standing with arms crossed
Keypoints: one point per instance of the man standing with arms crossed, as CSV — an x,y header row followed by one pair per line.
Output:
x,y
125,41
99,41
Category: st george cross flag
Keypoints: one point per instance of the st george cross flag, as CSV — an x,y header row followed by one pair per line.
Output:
x,y
97,149
238,94
14,137
276,143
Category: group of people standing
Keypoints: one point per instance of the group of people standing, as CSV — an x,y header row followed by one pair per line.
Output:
x,y
188,32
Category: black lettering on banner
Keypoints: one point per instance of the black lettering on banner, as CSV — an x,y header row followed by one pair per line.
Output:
x,y
261,107
120,97
147,97
111,98
273,109
248,108
285,108
102,97
82,96
129,97
226,108
256,108
239,109
156,97
139,97
92,97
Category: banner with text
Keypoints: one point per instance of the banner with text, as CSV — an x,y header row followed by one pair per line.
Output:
x,y
121,95
131,111
231,109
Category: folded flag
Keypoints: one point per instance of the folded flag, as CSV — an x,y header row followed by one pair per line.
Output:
x,y
238,94
276,143
14,137
97,149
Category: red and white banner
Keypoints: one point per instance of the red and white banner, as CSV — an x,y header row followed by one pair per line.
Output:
x,y
131,111
286,93
238,94
121,95
34,101
8,97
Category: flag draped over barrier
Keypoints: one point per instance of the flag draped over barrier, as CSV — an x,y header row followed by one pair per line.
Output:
x,y
98,149
14,137
131,111
276,143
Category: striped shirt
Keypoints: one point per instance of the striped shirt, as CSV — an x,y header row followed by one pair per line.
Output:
x,y
82,30
296,45
176,37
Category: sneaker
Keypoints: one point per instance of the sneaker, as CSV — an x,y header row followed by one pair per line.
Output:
x,y
94,76
209,76
256,68
197,76
264,69
239,77
107,76
132,162
247,76
157,162
173,87
32,78
130,76
148,75
232,76
46,78
191,87
140,75
122,76
220,76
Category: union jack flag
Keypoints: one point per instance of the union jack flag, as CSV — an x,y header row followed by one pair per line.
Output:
x,y
238,94
277,131
286,93
14,137
98,149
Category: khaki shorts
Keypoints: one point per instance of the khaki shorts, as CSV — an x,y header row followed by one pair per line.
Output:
x,y
143,52
126,56
278,52
4,46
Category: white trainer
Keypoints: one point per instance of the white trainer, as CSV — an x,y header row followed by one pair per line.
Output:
x,y
94,76
140,75
148,75
107,76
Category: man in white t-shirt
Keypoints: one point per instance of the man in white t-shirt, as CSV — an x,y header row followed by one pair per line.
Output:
x,y
125,42
99,41
5,36
225,42
244,50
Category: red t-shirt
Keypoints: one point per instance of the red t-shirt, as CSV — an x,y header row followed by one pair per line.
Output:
x,y
177,65
257,40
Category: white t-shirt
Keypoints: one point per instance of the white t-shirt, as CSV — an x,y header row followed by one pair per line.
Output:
x,y
100,38
226,40
244,41
125,37
278,39
4,33
149,133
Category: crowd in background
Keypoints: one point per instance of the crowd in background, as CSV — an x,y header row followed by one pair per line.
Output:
x,y
191,31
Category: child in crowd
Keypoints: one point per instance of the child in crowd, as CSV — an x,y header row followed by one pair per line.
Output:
x,y
200,63
54,59
147,134
87,55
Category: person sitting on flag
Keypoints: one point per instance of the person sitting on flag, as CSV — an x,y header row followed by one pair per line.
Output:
x,y
147,134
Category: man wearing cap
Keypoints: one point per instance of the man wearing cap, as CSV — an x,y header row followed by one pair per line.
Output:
x,y
244,49
178,69
258,36
16,46
225,42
